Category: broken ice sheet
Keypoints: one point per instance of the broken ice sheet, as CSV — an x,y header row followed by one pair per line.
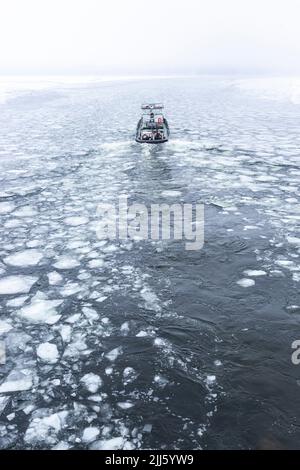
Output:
x,y
45,426
17,381
41,310
48,352
92,382
16,284
24,258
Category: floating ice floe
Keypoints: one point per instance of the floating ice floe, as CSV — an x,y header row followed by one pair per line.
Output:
x,y
6,207
24,258
96,263
109,444
48,352
34,243
25,211
62,445
41,310
12,223
17,301
113,354
246,282
151,299
141,334
125,405
254,272
73,318
77,347
125,327
293,308
65,332
90,434
285,263
171,193
66,262
3,402
16,284
293,241
17,381
45,429
90,313
92,382
210,379
4,327
76,220
54,278
70,289
160,380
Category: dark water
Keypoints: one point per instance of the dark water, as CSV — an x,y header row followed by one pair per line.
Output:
x,y
187,357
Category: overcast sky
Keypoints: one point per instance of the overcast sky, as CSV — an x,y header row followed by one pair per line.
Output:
x,y
139,36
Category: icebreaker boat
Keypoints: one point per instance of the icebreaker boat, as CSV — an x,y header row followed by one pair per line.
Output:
x,y
153,127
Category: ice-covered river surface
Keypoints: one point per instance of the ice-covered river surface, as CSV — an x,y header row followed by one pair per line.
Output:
x,y
143,344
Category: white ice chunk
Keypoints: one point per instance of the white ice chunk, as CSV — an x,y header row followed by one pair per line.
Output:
x,y
4,327
73,318
45,429
113,354
6,207
25,211
147,428
151,299
16,284
129,375
293,240
3,402
92,382
210,379
62,445
246,282
17,381
75,221
90,434
12,223
48,352
17,301
41,310
254,272
90,313
66,262
54,278
125,327
125,405
96,263
24,258
141,334
171,193
109,444
217,363
65,331
77,347
70,289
